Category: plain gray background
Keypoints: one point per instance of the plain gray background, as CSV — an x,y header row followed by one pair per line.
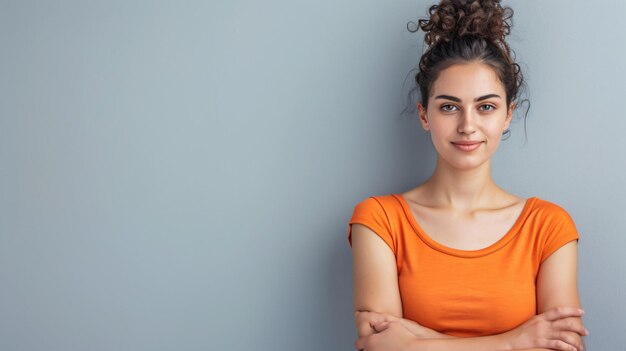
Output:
x,y
178,175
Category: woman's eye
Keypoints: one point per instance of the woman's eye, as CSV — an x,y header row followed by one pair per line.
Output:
x,y
448,108
487,107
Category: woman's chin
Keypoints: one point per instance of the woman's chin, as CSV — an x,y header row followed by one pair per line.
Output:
x,y
467,164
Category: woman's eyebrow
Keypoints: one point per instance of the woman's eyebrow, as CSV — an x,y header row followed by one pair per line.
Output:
x,y
487,97
448,97
480,98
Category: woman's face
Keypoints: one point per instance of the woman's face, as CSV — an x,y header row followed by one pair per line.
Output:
x,y
466,115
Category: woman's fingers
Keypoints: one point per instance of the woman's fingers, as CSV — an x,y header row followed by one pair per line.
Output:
x,y
573,324
365,321
379,327
571,338
360,343
562,312
559,328
567,328
558,345
364,329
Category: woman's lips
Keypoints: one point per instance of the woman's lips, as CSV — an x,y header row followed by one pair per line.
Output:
x,y
467,145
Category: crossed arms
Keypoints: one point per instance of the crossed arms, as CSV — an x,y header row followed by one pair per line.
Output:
x,y
378,307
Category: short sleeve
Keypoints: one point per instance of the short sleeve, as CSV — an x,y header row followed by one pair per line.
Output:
x,y
561,231
371,213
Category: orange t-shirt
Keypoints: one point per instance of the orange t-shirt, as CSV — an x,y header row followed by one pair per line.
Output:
x,y
467,293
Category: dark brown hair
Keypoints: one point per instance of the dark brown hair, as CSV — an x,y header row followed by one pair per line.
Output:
x,y
461,31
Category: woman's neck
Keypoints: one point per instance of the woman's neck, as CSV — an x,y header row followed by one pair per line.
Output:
x,y
462,190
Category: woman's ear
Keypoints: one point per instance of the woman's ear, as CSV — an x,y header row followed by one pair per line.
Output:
x,y
509,116
422,116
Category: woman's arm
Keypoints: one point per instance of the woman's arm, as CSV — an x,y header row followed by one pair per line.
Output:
x,y
368,319
375,278
540,331
537,331
376,289
557,284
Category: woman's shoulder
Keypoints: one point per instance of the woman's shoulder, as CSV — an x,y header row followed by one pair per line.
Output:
x,y
377,200
380,213
550,213
547,206
385,206
552,225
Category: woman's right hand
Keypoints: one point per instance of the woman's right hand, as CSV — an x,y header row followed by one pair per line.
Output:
x,y
559,328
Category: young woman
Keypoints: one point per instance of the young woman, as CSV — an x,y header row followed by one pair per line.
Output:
x,y
458,263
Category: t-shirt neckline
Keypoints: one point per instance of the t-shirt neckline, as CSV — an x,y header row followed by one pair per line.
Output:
x,y
510,234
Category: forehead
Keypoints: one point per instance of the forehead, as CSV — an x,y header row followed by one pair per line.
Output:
x,y
468,81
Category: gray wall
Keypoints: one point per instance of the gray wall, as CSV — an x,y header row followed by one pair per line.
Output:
x,y
178,175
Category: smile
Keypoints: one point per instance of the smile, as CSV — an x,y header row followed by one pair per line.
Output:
x,y
466,146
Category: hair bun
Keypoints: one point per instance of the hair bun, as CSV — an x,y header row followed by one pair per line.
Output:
x,y
456,18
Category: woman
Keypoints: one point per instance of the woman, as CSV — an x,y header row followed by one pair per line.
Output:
x,y
458,263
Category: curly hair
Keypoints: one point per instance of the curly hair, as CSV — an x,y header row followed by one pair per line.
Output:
x,y
460,31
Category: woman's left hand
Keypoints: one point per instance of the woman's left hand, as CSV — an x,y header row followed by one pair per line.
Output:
x,y
365,321
365,325
389,336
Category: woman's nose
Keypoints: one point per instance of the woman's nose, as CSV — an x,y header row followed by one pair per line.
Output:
x,y
466,123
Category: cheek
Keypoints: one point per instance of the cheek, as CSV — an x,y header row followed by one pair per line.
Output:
x,y
441,127
494,143
495,138
438,135
495,128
